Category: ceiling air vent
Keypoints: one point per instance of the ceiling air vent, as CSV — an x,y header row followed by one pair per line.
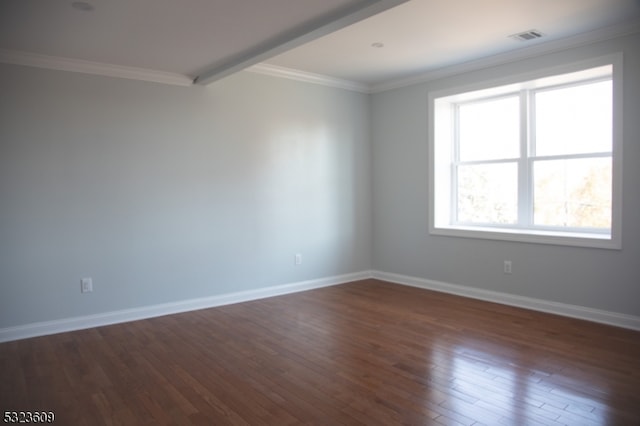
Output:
x,y
527,35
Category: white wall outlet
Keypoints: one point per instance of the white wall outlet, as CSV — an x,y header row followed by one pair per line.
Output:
x,y
507,267
86,285
298,259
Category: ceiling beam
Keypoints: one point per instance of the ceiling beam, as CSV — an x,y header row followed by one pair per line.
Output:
x,y
296,37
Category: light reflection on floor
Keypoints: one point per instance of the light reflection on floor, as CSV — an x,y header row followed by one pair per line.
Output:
x,y
486,390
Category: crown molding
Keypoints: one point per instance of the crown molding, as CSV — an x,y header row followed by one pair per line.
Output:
x,y
590,37
308,77
132,73
88,67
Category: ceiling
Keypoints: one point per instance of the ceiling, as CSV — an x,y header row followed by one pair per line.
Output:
x,y
423,35
368,42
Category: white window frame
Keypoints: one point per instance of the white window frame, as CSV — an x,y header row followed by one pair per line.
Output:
x,y
442,156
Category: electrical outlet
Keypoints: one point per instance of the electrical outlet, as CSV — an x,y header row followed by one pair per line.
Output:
x,y
507,267
298,259
86,285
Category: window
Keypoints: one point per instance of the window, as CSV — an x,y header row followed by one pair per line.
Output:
x,y
537,160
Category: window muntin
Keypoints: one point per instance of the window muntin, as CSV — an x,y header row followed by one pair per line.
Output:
x,y
565,187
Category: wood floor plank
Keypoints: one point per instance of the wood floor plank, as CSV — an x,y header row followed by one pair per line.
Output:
x,y
367,352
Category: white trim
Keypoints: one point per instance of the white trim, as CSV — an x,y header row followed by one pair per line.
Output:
x,y
89,67
557,308
602,34
114,317
533,236
308,77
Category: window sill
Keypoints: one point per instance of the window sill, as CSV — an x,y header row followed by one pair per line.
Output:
x,y
574,239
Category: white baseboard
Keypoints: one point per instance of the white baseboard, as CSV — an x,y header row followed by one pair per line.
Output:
x,y
114,317
567,310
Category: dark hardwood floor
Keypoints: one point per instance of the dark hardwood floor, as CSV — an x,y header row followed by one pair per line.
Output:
x,y
366,352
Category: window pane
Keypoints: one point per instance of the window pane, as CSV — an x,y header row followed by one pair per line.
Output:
x,y
488,193
489,130
573,193
574,120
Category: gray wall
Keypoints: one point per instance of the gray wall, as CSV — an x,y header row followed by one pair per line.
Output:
x,y
597,278
165,193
